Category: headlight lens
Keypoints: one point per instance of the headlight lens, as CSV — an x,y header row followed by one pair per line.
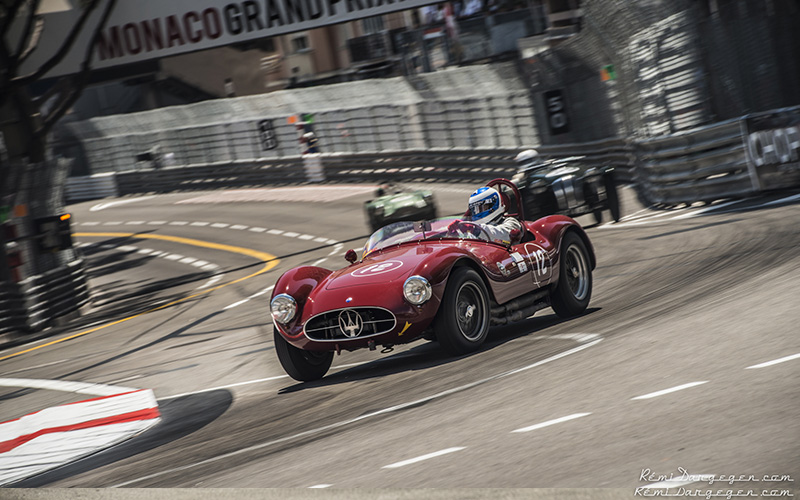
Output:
x,y
417,290
283,308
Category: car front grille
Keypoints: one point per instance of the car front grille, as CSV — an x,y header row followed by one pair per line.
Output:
x,y
349,323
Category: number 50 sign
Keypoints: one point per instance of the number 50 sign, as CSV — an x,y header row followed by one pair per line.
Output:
x,y
557,116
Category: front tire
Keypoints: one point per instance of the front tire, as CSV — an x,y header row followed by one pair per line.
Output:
x,y
299,364
574,289
462,322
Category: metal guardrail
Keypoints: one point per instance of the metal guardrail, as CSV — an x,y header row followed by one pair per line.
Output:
x,y
459,165
39,300
704,165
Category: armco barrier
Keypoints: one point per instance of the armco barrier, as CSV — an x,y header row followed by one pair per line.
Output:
x,y
37,301
456,165
705,164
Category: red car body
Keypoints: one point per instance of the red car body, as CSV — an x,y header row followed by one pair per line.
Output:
x,y
468,283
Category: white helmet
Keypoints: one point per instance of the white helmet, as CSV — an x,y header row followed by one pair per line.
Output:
x,y
527,158
486,205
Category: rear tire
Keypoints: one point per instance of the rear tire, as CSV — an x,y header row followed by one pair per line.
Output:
x,y
574,289
300,364
462,322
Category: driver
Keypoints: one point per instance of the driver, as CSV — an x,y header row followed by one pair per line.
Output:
x,y
528,158
487,211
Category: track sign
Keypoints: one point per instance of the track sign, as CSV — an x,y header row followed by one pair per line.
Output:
x,y
557,116
53,233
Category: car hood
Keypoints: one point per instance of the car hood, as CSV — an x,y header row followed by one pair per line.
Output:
x,y
386,267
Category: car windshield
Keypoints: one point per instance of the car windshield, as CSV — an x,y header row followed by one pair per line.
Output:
x,y
402,232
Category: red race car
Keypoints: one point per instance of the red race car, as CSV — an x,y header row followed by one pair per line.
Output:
x,y
442,280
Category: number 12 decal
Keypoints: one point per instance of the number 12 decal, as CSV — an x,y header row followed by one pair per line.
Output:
x,y
541,266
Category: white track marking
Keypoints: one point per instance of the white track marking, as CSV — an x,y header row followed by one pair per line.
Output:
x,y
291,234
276,232
305,237
695,213
319,486
782,200
318,262
174,256
578,337
66,386
135,223
90,223
145,251
102,206
671,389
320,240
262,292
552,422
156,223
178,223
238,227
114,223
332,242
221,387
231,306
423,457
257,229
199,263
220,224
774,362
342,423
187,260
127,248
199,224
211,281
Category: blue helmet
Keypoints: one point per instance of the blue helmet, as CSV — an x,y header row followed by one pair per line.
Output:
x,y
485,205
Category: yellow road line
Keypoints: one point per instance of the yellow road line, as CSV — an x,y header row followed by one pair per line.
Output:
x,y
270,262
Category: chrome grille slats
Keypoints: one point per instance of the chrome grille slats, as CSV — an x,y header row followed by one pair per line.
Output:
x,y
330,326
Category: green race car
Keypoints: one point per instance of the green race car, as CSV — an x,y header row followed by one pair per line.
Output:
x,y
395,204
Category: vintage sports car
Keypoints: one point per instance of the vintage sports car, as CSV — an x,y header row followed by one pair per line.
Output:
x,y
395,204
441,280
567,186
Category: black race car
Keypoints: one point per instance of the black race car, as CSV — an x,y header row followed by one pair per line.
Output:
x,y
567,186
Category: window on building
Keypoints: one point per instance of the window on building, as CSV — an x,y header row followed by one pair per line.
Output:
x,y
300,43
372,25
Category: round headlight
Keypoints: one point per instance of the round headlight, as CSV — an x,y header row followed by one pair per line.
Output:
x,y
283,308
417,290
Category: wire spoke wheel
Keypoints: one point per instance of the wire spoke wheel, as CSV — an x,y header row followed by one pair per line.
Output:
x,y
462,323
470,309
571,295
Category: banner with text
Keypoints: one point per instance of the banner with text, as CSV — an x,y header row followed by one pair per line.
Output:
x,y
151,29
772,145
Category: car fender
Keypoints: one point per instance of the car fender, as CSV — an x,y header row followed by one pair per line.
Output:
x,y
554,227
299,283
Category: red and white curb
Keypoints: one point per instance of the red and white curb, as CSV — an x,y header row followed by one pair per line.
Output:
x,y
55,436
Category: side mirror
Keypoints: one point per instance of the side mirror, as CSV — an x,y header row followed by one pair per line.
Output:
x,y
351,256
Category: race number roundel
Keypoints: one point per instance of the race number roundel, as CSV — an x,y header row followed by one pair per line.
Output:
x,y
379,268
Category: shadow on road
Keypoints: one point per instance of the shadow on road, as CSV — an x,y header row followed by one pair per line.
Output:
x,y
427,355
